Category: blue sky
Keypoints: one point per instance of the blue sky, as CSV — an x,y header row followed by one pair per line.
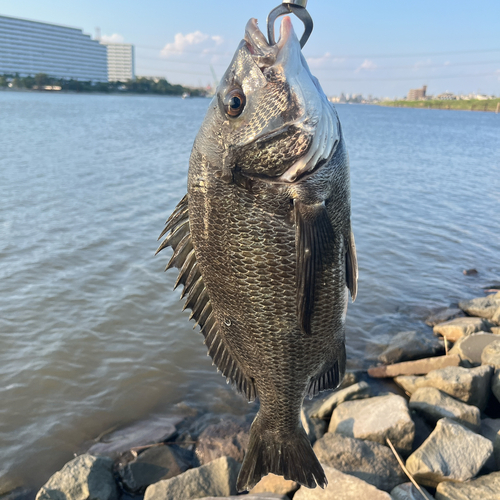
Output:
x,y
379,48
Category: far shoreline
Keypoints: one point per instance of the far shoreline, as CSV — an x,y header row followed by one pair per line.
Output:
x,y
487,105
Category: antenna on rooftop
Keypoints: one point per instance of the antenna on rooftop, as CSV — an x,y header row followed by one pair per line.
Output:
x,y
98,34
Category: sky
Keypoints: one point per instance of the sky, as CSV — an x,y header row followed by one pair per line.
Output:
x,y
357,46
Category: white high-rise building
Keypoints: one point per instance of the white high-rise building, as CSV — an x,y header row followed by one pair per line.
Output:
x,y
121,62
31,47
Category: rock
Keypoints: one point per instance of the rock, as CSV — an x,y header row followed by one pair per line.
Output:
x,y
225,439
323,409
84,478
376,419
153,465
444,315
152,431
218,479
471,348
495,330
419,367
496,449
407,491
434,405
483,488
19,494
495,384
314,427
491,353
275,484
490,429
472,386
483,307
367,460
341,487
256,496
423,429
407,346
470,272
451,452
461,327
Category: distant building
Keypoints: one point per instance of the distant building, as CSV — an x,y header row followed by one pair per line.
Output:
x,y
446,96
121,62
31,47
417,94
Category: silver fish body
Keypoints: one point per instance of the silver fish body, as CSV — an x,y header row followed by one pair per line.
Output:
x,y
264,246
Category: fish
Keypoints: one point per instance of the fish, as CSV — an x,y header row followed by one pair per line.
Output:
x,y
264,246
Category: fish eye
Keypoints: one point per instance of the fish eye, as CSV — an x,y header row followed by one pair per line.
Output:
x,y
234,103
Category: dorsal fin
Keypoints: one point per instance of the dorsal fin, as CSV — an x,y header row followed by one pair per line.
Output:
x,y
179,238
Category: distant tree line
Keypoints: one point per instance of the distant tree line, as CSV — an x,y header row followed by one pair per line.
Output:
x,y
140,85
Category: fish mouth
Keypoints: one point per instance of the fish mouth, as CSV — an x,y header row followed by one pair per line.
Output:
x,y
265,55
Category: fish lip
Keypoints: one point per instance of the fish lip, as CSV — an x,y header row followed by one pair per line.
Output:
x,y
266,55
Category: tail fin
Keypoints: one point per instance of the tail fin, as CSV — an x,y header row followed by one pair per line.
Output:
x,y
290,456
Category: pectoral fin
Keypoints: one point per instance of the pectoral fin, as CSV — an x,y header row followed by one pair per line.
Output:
x,y
314,238
351,262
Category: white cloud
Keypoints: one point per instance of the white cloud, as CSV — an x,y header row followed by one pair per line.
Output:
x,y
114,38
324,61
182,43
367,65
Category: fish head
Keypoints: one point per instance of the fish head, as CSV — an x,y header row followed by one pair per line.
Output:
x,y
270,118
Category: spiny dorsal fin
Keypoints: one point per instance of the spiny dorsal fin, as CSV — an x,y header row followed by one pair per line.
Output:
x,y
314,237
179,238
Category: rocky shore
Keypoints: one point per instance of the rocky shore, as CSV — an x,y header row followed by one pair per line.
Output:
x,y
424,424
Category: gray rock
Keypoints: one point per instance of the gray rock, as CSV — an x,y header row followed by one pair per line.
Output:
x,y
225,439
451,453
444,315
314,427
256,496
495,384
434,405
153,465
496,449
19,494
491,353
461,327
407,491
371,462
483,488
151,431
218,479
407,346
483,307
323,409
341,487
472,386
471,348
84,478
490,429
376,419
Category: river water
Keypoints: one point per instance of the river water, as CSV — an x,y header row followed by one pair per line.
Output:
x,y
91,334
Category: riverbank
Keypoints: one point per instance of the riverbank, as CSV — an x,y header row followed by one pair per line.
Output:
x,y
491,105
429,413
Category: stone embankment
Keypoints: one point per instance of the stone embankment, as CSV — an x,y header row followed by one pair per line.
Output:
x,y
429,414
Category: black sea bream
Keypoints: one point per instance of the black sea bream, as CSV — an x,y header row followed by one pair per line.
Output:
x,y
264,245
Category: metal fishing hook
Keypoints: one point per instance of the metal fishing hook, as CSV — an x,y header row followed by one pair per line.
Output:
x,y
297,7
